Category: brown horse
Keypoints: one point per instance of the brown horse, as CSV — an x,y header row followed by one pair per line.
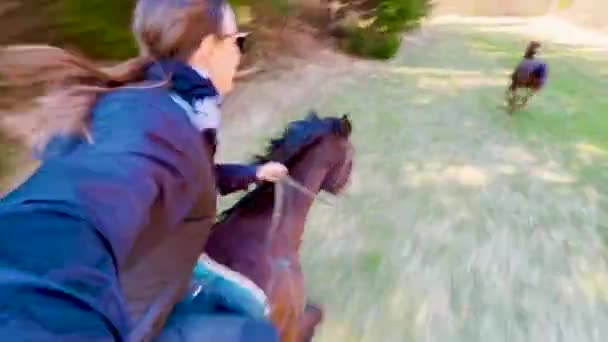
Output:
x,y
247,239
529,76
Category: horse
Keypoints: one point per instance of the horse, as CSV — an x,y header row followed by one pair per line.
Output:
x,y
529,75
260,237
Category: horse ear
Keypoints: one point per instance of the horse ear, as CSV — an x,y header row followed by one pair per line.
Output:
x,y
345,126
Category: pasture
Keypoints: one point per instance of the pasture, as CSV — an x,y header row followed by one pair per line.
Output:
x,y
461,223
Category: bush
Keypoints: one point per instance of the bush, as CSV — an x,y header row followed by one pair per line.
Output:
x,y
395,16
391,18
99,28
370,43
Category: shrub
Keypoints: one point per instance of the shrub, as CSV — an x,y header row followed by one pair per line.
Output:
x,y
99,28
395,16
390,19
371,43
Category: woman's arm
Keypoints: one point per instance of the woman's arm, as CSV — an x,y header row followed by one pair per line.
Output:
x,y
235,177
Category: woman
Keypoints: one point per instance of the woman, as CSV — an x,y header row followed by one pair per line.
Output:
x,y
137,183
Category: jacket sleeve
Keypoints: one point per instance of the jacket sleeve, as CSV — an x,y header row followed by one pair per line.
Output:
x,y
234,177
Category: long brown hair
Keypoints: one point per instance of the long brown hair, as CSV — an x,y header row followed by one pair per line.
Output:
x,y
162,28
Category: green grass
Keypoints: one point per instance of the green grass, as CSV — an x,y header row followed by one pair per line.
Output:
x,y
570,115
462,223
573,102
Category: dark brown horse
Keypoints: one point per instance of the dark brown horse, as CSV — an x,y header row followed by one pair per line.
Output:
x,y
529,76
247,239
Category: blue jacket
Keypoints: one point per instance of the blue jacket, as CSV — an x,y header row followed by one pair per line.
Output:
x,y
146,156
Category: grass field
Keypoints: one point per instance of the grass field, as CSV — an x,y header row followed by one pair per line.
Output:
x,y
462,223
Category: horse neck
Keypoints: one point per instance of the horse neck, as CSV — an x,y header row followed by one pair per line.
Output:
x,y
296,204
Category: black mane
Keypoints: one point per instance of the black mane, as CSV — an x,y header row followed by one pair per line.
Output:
x,y
297,138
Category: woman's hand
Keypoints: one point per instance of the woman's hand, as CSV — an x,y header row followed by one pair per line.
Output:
x,y
271,172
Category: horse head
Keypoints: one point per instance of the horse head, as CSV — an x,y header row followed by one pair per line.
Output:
x,y
313,144
316,141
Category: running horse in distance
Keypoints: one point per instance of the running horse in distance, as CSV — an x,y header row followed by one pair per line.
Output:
x,y
529,77
260,236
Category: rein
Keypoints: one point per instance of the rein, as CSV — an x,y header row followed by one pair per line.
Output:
x,y
279,190
277,211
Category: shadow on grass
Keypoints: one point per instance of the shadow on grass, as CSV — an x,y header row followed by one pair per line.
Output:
x,y
460,216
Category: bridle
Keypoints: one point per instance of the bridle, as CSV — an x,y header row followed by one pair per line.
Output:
x,y
282,263
277,213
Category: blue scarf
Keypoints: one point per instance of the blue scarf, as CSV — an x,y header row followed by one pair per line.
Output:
x,y
185,81
191,87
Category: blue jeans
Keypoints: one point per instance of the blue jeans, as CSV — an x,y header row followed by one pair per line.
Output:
x,y
217,327
222,306
215,286
58,282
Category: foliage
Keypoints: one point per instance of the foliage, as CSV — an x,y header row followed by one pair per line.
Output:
x,y
390,19
395,16
261,9
371,43
99,28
